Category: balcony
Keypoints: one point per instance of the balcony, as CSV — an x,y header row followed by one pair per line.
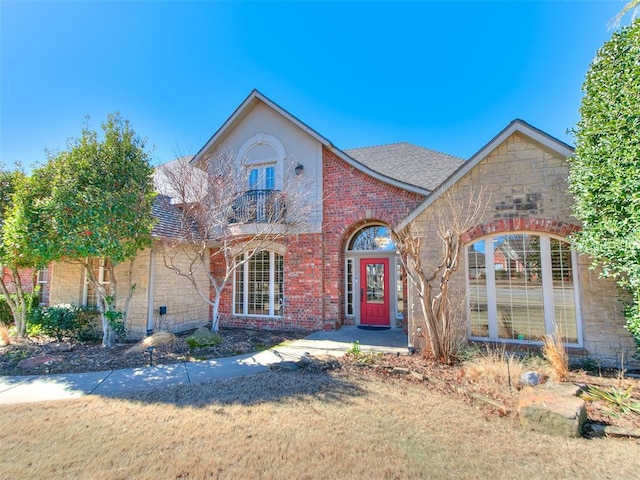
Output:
x,y
259,206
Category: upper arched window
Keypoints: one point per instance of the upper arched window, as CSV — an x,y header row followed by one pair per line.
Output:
x,y
372,237
263,156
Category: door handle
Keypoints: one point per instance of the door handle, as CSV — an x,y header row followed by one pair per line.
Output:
x,y
361,294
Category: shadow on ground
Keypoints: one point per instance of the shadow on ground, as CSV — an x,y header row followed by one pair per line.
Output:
x,y
273,386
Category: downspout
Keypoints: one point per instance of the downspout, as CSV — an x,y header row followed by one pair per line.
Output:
x,y
151,292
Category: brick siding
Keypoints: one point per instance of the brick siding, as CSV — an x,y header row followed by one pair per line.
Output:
x,y
314,263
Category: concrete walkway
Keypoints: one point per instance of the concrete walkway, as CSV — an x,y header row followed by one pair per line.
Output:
x,y
24,389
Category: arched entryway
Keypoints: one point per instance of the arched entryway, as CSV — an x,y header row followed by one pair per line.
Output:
x,y
374,290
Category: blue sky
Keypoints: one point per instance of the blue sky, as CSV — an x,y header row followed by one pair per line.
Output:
x,y
444,75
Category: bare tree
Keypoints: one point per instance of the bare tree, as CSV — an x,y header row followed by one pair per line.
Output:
x,y
440,310
221,216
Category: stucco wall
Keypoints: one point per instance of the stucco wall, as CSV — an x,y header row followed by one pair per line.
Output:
x,y
524,187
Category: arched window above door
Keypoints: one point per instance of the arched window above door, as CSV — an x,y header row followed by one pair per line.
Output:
x,y
371,238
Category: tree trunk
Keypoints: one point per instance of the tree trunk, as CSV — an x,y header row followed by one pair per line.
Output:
x,y
215,316
17,304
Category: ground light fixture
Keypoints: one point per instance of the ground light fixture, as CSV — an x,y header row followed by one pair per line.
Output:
x,y
149,350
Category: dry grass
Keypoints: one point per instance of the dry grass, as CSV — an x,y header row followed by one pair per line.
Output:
x,y
496,368
290,425
556,355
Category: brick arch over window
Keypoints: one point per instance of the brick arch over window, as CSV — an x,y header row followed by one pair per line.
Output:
x,y
522,281
540,225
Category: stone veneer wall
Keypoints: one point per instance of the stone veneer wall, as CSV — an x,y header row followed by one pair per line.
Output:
x,y
185,309
526,188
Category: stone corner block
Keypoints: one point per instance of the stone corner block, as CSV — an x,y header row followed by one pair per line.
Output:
x,y
554,410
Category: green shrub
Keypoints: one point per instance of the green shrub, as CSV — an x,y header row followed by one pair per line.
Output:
x,y
6,317
203,338
64,321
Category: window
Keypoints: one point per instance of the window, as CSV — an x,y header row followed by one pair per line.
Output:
x,y
349,288
100,270
42,280
374,237
520,287
258,284
262,177
400,291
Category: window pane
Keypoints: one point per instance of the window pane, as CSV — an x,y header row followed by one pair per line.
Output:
x,y
349,287
253,179
270,178
375,237
278,276
239,298
399,290
43,278
519,295
259,284
479,317
375,283
563,294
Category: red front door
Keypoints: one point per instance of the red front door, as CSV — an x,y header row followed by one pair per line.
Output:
x,y
374,291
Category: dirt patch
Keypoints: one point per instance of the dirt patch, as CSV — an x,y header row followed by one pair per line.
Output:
x,y
92,357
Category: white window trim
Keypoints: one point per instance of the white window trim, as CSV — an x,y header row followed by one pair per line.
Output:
x,y
100,279
41,283
278,160
547,289
245,289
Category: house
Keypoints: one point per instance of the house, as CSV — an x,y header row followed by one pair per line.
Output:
x,y
518,278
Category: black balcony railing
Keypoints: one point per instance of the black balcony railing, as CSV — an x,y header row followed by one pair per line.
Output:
x,y
259,206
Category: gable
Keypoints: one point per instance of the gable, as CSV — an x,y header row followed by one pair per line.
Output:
x,y
255,103
521,160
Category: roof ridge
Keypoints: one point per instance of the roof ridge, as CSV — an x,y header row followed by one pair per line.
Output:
x,y
406,143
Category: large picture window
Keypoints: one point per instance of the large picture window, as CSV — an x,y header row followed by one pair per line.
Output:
x,y
520,287
258,284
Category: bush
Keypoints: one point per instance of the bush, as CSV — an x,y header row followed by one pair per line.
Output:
x,y
65,321
6,317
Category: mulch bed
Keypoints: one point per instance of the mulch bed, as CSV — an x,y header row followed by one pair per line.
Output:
x,y
92,357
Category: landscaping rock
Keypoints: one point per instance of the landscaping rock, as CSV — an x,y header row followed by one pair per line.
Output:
x,y
417,375
400,371
35,362
615,431
552,409
158,338
304,361
530,378
59,347
287,366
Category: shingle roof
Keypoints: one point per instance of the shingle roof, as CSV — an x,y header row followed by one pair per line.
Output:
x,y
408,163
169,219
